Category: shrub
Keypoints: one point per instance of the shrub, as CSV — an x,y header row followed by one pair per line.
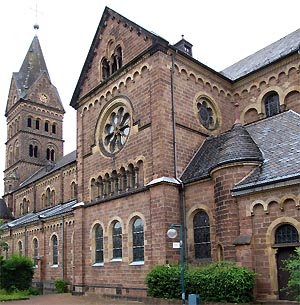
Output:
x,y
61,286
293,266
216,282
163,281
17,273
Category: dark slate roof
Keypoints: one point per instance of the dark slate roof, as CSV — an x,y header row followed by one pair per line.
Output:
x,y
30,218
48,169
279,139
4,210
281,48
232,146
33,66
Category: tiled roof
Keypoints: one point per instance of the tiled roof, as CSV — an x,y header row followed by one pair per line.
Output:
x,y
281,48
232,146
44,214
33,66
46,170
278,137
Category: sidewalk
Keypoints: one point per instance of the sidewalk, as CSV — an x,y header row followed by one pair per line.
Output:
x,y
69,299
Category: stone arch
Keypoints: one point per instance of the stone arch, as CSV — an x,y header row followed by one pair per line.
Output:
x,y
270,239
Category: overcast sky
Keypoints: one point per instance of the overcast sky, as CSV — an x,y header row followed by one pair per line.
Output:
x,y
221,31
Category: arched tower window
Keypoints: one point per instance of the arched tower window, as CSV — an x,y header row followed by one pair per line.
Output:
x,y
272,106
201,227
37,124
20,248
54,128
29,122
46,126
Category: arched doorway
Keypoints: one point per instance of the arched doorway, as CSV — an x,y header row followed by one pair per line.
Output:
x,y
286,241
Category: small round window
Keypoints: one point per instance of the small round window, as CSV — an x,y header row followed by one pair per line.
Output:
x,y
207,114
115,128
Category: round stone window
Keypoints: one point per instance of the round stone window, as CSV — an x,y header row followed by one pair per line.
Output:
x,y
115,127
207,114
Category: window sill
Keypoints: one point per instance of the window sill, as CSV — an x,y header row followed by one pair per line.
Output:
x,y
137,263
54,266
98,265
116,260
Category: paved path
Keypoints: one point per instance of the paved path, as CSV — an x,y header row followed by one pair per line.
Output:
x,y
68,299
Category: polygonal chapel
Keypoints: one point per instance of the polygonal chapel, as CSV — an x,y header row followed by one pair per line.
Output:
x,y
161,139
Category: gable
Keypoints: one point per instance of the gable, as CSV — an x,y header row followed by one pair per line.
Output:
x,y
114,31
44,93
13,95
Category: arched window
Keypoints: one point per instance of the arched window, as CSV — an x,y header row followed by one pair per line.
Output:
x,y
98,244
52,155
35,151
52,197
286,234
272,106
54,128
54,243
46,126
119,57
117,240
37,124
105,68
138,240
35,245
29,122
73,190
48,197
20,248
201,227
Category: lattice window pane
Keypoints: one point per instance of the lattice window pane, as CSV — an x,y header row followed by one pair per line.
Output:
x,y
286,234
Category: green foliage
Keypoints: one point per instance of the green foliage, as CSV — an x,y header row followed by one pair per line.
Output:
x,y
16,273
164,282
293,266
61,286
216,282
16,294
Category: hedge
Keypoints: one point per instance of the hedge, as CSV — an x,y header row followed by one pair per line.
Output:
x,y
215,282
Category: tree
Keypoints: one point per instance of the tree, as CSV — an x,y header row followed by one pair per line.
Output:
x,y
293,266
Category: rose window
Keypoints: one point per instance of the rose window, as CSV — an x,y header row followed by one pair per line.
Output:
x,y
116,129
206,115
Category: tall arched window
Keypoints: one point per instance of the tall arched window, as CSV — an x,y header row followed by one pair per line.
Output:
x,y
117,240
35,245
201,227
37,124
73,190
105,68
138,240
272,106
54,128
29,122
54,243
98,244
48,197
46,126
20,248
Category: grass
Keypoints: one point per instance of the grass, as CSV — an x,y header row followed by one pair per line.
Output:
x,y
14,295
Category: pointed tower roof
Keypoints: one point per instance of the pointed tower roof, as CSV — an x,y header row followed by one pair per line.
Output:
x,y
33,66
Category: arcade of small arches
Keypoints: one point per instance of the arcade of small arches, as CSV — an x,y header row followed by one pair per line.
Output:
x,y
117,182
270,103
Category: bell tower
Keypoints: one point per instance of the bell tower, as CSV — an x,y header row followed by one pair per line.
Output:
x,y
34,115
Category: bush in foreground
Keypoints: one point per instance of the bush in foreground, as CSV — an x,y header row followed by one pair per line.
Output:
x,y
216,282
16,273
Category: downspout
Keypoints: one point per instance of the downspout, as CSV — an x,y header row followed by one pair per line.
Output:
x,y
175,157
63,248
25,240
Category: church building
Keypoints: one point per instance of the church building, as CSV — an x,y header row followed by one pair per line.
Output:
x,y
162,139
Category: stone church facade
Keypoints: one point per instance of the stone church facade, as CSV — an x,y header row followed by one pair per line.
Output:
x,y
161,139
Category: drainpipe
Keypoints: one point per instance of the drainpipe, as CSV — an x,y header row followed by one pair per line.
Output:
x,y
175,157
25,240
63,248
